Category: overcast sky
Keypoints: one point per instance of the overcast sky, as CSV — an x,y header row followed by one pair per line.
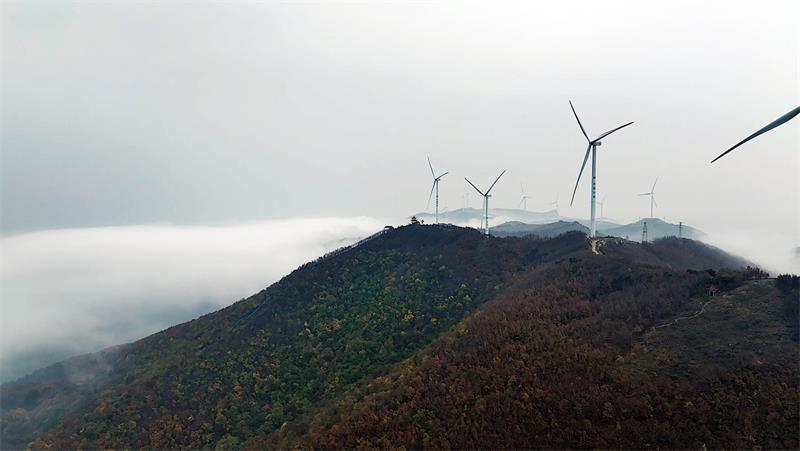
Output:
x,y
210,115
119,114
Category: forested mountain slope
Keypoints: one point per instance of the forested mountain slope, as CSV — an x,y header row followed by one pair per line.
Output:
x,y
458,333
588,354
673,252
249,368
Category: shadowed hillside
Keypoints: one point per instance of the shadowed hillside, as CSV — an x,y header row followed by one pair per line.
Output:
x,y
675,253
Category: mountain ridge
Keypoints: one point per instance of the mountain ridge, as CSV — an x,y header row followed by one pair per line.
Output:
x,y
470,217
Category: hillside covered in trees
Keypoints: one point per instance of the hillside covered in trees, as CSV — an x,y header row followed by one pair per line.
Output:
x,y
437,337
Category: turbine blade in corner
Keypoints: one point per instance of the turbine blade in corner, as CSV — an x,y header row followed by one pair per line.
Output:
x,y
777,122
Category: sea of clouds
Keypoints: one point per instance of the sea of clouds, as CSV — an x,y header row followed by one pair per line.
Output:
x,y
73,291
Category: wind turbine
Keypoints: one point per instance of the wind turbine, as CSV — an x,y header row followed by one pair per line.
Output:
x,y
777,122
435,187
524,200
593,143
555,204
486,197
652,195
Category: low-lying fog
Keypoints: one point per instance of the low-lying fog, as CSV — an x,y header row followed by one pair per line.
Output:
x,y
72,291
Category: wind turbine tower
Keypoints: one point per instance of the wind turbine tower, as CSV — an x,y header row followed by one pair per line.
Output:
x,y
652,195
524,200
593,143
435,187
486,197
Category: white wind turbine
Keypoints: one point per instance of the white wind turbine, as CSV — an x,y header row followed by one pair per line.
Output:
x,y
593,143
555,203
524,200
435,187
652,195
486,197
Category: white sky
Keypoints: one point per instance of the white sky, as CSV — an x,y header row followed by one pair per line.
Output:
x,y
118,114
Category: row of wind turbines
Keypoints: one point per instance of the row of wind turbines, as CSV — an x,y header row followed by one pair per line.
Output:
x,y
593,144
592,148
486,195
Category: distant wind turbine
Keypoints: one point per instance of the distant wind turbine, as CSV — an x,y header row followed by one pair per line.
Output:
x,y
652,195
555,204
486,197
777,122
435,187
524,200
593,143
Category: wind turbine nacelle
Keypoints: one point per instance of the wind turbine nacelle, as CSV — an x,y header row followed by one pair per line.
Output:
x,y
598,143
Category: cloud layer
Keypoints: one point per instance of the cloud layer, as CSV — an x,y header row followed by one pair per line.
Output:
x,y
72,291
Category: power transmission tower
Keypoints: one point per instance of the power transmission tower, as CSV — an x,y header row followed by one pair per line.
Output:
x,y
644,232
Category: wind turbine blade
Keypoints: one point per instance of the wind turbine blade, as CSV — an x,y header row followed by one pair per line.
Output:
x,y
476,188
654,201
431,194
780,121
579,121
645,194
653,189
521,201
431,166
439,178
586,157
611,131
495,182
